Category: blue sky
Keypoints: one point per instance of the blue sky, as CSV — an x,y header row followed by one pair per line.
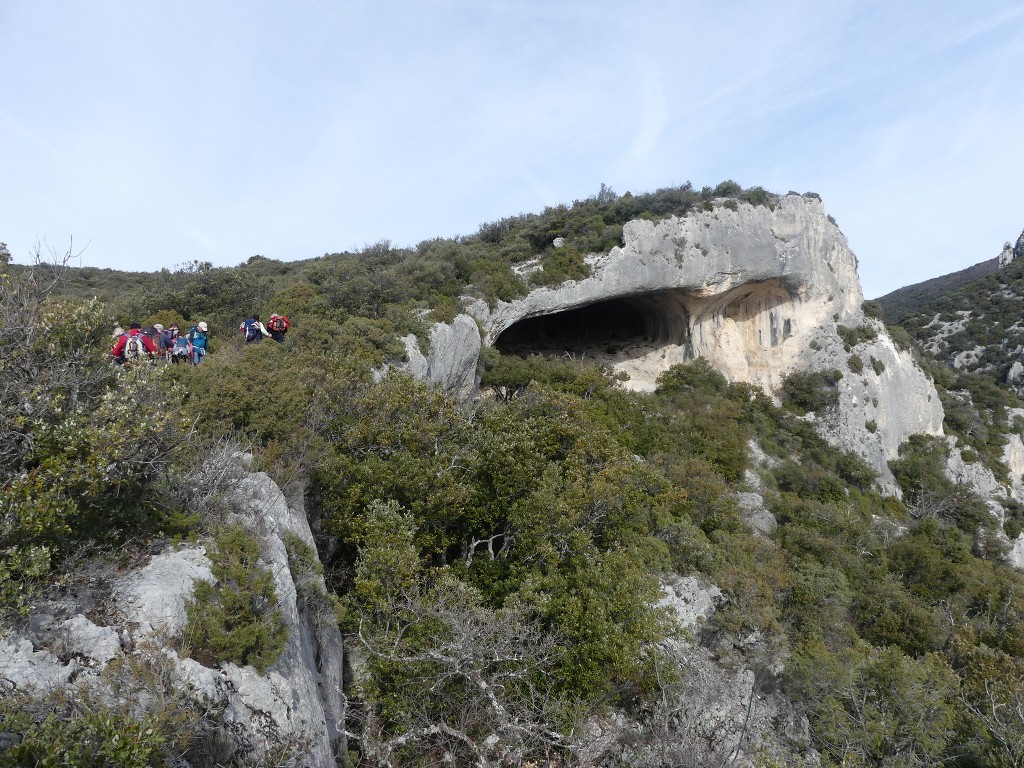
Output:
x,y
151,134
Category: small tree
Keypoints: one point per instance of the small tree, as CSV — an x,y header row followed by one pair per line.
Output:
x,y
236,618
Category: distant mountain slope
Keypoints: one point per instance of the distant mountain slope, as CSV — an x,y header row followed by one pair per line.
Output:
x,y
905,301
975,325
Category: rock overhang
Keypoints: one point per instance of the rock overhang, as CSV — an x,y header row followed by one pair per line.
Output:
x,y
655,318
730,285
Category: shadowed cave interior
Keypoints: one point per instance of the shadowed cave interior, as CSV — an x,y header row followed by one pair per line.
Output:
x,y
638,323
628,327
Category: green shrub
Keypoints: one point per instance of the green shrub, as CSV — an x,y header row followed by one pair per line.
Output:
x,y
235,618
877,365
756,196
855,364
809,481
852,336
727,188
71,737
82,443
871,706
559,265
307,574
873,310
1013,516
807,391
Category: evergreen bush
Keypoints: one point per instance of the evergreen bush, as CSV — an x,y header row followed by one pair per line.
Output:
x,y
236,618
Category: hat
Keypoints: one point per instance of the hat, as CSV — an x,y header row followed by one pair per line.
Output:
x,y
119,331
134,326
158,326
202,327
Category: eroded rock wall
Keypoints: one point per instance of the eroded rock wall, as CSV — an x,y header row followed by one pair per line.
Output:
x,y
752,286
298,701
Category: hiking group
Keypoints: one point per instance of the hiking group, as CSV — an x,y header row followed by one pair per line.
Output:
x,y
156,343
254,330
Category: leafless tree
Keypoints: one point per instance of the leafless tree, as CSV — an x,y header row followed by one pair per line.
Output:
x,y
471,682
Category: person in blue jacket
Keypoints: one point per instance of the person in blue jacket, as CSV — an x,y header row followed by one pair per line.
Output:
x,y
200,345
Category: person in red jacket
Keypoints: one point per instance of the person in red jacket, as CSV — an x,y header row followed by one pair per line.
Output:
x,y
133,346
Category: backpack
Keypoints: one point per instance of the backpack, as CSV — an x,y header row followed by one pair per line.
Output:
x,y
134,348
181,347
251,328
278,323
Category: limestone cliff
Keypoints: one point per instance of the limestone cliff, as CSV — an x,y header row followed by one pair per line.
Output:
x,y
759,291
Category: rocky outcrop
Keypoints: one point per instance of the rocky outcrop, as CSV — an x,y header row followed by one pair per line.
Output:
x,y
1006,255
758,291
713,714
746,288
884,396
452,355
297,702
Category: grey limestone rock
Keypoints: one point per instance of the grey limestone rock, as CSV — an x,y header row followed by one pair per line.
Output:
x,y
451,359
153,598
755,512
690,601
880,406
84,638
1016,371
25,669
746,288
713,714
299,700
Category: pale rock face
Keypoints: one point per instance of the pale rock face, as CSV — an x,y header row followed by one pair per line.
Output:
x,y
1015,372
154,596
713,714
758,292
1006,255
300,696
747,289
891,394
1013,458
755,512
980,479
33,671
690,601
84,638
451,358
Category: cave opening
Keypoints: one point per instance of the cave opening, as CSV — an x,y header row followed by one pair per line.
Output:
x,y
625,323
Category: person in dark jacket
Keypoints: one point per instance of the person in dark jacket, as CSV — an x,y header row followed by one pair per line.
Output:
x,y
167,337
253,330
